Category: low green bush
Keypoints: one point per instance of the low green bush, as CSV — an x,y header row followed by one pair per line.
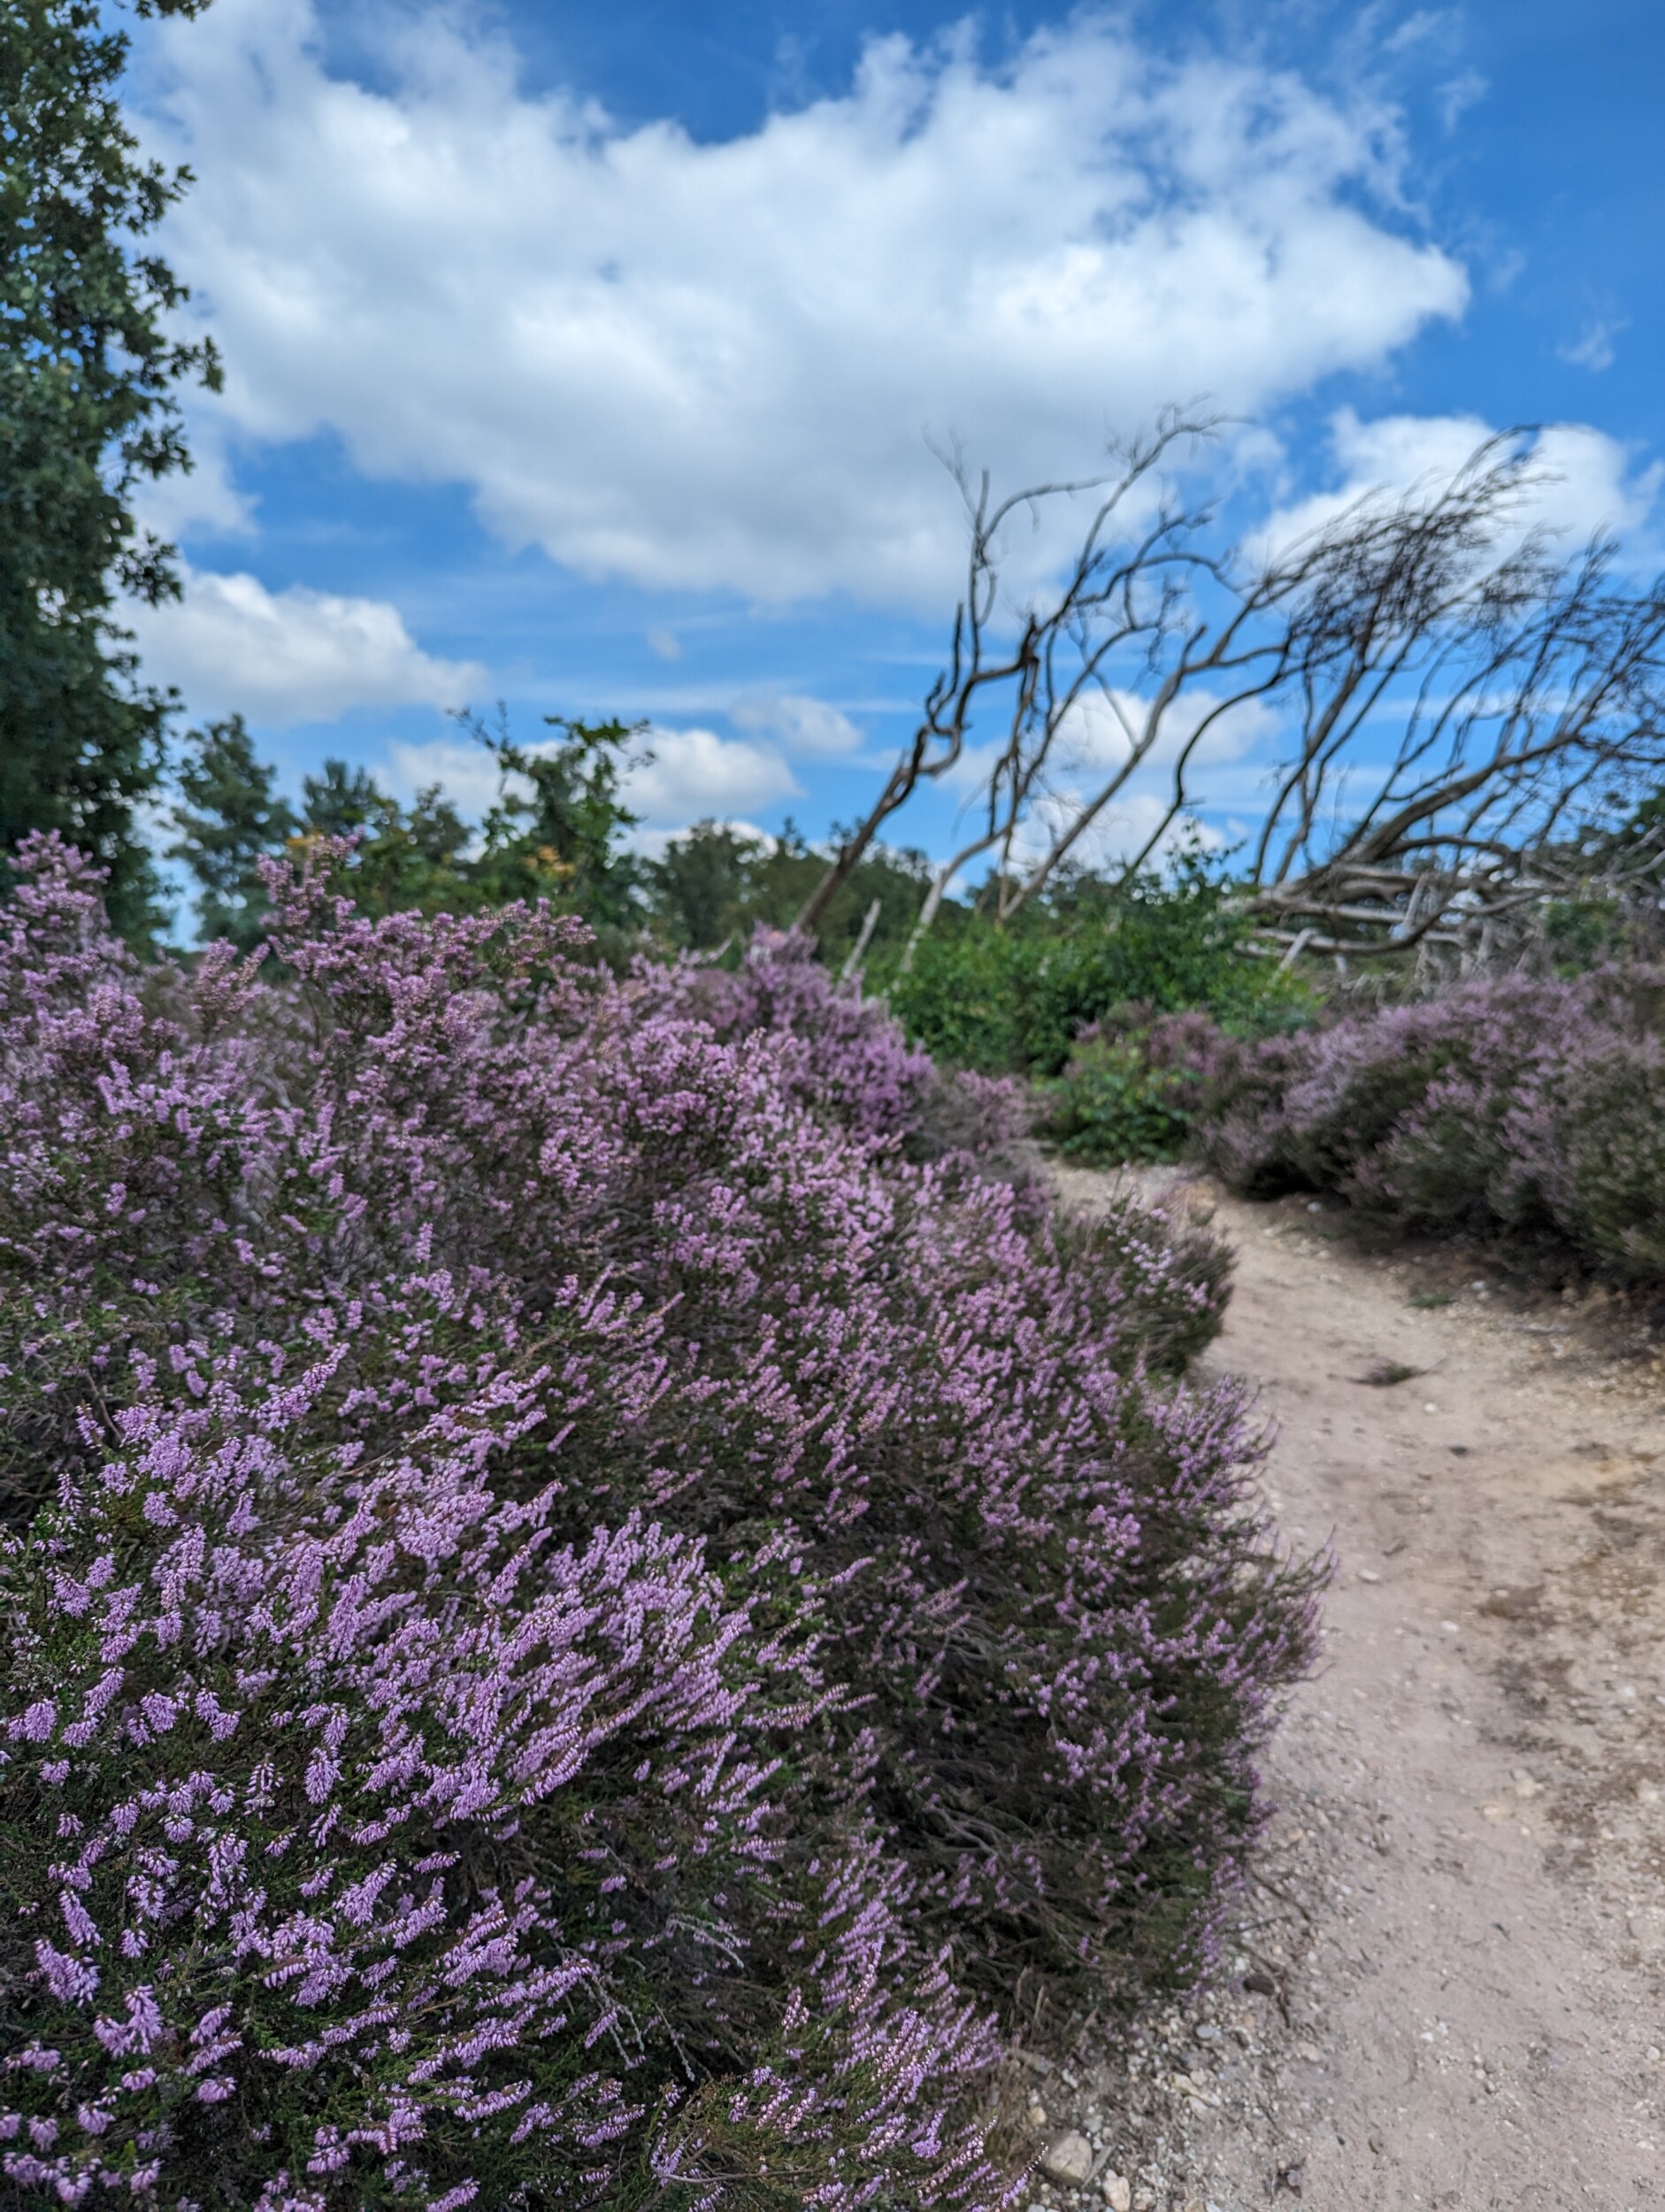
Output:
x,y
1134,1085
1015,1000
1139,1083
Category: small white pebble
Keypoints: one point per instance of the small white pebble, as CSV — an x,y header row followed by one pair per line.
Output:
x,y
1068,2158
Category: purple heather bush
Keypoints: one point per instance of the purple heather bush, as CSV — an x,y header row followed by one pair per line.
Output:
x,y
846,1058
590,1590
1524,1105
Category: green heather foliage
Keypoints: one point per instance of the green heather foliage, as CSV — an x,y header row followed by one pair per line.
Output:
x,y
596,1601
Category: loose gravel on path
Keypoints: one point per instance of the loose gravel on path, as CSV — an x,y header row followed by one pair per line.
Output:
x,y
1447,1987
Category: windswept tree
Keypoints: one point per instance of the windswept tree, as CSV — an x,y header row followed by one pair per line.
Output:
x,y
89,367
1472,718
1462,712
1121,595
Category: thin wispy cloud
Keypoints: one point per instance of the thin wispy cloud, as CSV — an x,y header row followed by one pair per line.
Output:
x,y
1594,349
801,725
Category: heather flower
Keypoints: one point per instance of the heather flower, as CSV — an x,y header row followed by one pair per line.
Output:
x,y
594,1584
1523,1105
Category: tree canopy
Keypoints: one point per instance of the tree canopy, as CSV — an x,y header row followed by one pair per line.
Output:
x,y
553,830
89,367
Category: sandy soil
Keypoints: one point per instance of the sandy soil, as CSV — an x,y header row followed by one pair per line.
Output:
x,y
1448,1986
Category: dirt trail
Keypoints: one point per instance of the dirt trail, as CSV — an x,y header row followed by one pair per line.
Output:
x,y
1456,1946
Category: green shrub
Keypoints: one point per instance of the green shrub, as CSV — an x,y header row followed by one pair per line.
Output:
x,y
1140,1084
1015,1000
1111,1104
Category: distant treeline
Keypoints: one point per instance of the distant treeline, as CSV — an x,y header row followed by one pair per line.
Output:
x,y
556,830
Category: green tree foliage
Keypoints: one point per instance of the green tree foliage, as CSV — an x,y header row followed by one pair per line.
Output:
x,y
230,818
553,832
88,374
556,827
1014,999
343,802
405,858
714,884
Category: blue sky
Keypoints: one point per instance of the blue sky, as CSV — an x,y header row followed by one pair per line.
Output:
x,y
585,358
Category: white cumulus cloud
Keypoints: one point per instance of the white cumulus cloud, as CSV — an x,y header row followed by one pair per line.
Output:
x,y
691,774
1589,481
468,774
1229,763
288,656
1120,834
709,365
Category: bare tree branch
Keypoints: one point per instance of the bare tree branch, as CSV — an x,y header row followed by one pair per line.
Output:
x,y
1115,592
1465,711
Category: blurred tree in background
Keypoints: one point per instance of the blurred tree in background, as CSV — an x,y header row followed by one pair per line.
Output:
x,y
556,830
230,818
87,412
553,832
714,884
405,858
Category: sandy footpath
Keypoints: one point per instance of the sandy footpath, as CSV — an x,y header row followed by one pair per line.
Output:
x,y
1448,1986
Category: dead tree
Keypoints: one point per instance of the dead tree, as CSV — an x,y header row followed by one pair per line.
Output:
x,y
1118,595
1526,710
1461,708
